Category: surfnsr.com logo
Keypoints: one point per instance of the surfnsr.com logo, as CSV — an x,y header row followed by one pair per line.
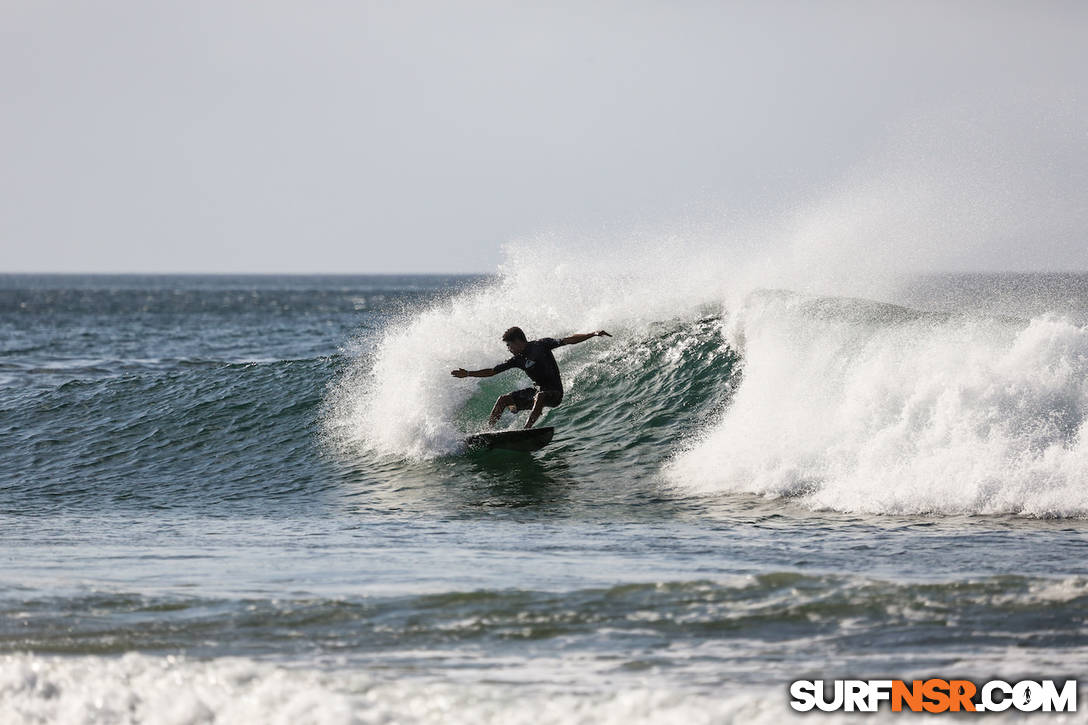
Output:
x,y
934,695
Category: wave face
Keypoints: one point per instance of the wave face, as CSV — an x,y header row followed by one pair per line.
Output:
x,y
859,406
174,391
166,433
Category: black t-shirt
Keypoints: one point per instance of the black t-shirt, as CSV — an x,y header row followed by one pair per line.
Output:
x,y
538,363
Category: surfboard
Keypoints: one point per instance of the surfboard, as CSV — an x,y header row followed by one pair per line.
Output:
x,y
525,439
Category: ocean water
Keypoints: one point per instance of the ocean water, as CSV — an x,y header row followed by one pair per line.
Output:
x,y
244,499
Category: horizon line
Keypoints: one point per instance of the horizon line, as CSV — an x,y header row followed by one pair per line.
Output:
x,y
246,274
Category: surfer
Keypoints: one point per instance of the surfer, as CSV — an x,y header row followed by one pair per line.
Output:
x,y
536,359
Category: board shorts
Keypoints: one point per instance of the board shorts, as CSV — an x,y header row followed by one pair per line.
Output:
x,y
525,398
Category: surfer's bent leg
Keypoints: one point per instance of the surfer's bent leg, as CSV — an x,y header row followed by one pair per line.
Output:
x,y
545,398
516,401
501,404
538,408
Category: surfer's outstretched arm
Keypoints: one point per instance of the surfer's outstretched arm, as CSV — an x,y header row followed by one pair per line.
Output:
x,y
462,373
575,339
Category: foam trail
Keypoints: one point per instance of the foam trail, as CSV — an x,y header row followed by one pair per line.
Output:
x,y
862,407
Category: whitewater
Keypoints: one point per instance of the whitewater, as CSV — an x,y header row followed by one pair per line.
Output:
x,y
859,406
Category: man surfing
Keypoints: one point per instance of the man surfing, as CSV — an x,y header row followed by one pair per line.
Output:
x,y
536,359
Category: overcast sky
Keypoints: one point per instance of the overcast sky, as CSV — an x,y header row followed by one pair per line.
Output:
x,y
374,137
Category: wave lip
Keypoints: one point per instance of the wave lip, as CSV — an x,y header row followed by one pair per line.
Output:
x,y
858,406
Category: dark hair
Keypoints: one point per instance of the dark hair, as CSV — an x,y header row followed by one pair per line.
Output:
x,y
514,334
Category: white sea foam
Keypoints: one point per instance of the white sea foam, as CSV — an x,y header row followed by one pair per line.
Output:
x,y
176,691
860,407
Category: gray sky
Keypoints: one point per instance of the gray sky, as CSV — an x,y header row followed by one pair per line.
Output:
x,y
371,137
